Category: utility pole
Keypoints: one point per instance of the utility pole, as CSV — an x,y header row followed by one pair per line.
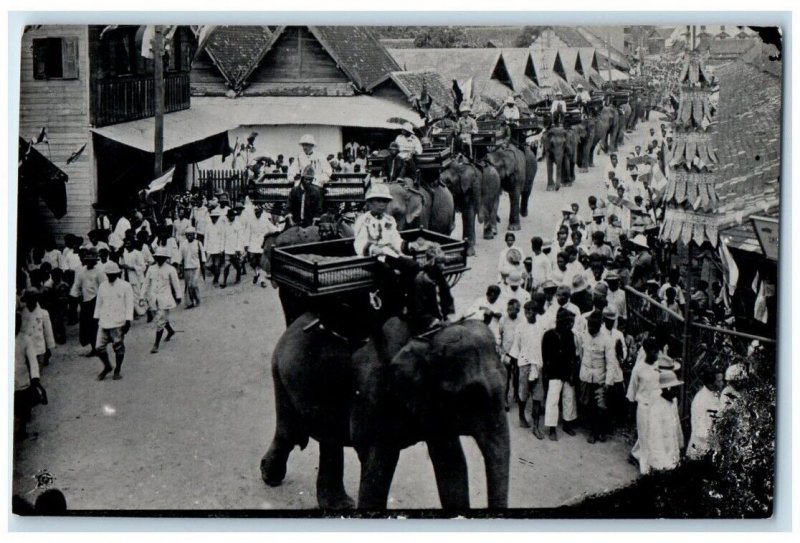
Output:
x,y
608,59
158,65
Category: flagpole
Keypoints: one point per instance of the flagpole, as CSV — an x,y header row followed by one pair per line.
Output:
x,y
158,133
158,62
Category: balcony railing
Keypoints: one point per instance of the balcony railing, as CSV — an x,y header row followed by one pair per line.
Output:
x,y
130,98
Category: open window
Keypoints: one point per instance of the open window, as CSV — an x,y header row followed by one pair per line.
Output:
x,y
55,58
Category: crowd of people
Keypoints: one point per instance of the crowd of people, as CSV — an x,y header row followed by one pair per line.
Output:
x,y
129,267
561,318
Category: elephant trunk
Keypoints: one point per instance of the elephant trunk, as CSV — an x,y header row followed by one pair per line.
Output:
x,y
495,448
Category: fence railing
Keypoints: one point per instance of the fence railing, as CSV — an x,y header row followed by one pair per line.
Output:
x,y
709,346
230,181
130,98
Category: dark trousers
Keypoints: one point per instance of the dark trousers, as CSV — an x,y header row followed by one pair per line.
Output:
x,y
87,333
593,402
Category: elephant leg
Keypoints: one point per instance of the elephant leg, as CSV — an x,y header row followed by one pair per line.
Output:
x,y
550,184
496,215
514,198
468,227
273,463
330,485
377,470
493,441
524,197
450,468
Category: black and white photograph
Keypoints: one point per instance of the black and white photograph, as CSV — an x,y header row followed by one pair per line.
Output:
x,y
476,271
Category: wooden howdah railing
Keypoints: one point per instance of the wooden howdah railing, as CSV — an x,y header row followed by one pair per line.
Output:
x,y
130,98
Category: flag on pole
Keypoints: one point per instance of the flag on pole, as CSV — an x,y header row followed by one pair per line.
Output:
x,y
760,312
730,272
466,90
202,34
161,182
74,156
42,137
147,41
106,29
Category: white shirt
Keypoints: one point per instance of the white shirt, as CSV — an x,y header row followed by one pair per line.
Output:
x,y
541,269
87,282
114,304
201,219
259,227
215,237
527,347
375,235
704,406
477,311
123,225
26,366
502,259
54,258
160,283
408,145
322,168
234,237
521,295
618,300
135,260
192,254
511,113
37,326
596,357
71,260
662,293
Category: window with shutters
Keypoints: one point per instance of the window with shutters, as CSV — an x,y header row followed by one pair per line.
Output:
x,y
55,58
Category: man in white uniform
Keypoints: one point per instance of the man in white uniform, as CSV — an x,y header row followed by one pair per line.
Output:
x,y
114,311
321,167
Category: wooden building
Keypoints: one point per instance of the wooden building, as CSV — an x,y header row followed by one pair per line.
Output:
x,y
292,80
90,85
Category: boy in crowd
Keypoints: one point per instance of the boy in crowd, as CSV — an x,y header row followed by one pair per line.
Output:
x,y
526,355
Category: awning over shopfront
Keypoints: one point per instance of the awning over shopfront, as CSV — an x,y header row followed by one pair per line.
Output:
x,y
39,176
744,236
181,128
356,111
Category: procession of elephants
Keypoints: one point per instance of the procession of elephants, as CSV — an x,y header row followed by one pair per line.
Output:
x,y
385,390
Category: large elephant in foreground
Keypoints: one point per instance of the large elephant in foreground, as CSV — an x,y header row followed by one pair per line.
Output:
x,y
383,397
509,161
555,144
476,192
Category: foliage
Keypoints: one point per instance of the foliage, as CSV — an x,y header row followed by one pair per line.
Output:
x,y
744,439
441,37
527,36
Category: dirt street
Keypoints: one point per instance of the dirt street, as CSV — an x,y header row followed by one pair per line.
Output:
x,y
186,428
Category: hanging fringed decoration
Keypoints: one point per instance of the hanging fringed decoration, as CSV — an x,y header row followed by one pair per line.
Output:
x,y
691,197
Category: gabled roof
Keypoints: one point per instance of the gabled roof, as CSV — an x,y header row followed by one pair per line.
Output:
x,y
500,36
618,57
237,50
520,66
358,52
549,71
572,62
411,84
571,36
730,47
452,64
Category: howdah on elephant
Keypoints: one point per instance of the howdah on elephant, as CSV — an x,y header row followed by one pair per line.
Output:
x,y
384,396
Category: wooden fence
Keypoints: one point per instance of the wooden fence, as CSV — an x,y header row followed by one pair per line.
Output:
x,y
231,181
709,346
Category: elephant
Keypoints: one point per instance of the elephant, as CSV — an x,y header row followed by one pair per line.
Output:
x,y
384,396
430,208
587,144
574,135
510,163
606,125
295,304
624,115
531,167
466,183
555,148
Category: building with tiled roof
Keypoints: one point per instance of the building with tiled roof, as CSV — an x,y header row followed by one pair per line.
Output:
x,y
727,50
746,138
519,63
573,66
410,86
293,80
